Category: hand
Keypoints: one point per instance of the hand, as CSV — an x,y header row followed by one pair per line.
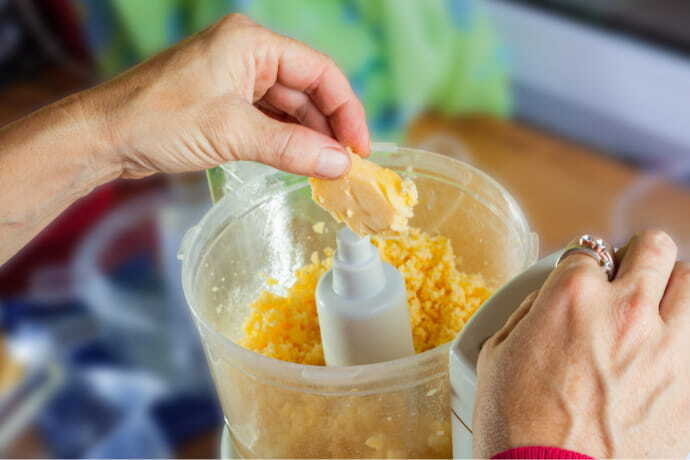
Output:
x,y
596,367
235,91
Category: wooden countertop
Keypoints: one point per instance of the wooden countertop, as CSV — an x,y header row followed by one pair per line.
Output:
x,y
564,188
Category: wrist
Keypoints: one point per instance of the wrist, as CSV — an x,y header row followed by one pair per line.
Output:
x,y
103,157
48,160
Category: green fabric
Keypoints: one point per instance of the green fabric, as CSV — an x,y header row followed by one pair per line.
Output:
x,y
401,56
144,23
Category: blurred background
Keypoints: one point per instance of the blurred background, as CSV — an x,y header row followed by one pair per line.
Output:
x,y
579,107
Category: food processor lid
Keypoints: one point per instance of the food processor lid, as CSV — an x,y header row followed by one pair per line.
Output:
x,y
492,315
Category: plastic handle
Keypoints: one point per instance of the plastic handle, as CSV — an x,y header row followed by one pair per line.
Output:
x,y
497,309
486,322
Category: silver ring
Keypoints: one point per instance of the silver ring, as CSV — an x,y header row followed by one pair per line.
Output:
x,y
597,249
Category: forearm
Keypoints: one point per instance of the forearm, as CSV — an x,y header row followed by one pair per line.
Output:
x,y
48,160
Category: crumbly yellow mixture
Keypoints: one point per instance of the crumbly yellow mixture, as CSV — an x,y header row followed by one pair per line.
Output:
x,y
441,299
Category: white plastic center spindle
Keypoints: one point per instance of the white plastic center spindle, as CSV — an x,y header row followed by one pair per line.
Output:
x,y
362,306
357,268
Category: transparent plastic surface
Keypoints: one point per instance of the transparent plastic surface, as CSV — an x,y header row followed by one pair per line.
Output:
x,y
263,225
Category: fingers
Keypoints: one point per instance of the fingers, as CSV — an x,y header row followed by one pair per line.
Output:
x,y
675,306
286,62
287,146
306,70
299,106
515,318
274,113
645,269
574,282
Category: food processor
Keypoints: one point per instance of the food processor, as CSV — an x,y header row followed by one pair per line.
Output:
x,y
262,226
465,349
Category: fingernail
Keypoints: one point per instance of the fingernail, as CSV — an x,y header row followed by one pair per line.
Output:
x,y
332,163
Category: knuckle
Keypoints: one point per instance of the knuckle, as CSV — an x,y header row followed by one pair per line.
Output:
x,y
576,291
325,58
487,344
236,18
658,242
578,282
329,62
637,299
326,65
302,112
486,352
640,295
235,25
286,154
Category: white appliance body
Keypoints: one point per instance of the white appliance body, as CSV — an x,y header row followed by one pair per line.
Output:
x,y
465,351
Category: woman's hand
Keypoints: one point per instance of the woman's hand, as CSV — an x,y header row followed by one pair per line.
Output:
x,y
596,367
235,91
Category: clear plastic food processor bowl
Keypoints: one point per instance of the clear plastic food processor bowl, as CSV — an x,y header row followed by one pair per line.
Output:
x,y
261,227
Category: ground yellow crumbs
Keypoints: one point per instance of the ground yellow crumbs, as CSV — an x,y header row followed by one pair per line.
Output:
x,y
441,299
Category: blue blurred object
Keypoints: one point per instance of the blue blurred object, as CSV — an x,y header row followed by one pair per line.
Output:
x,y
95,353
105,412
136,383
138,273
107,409
16,311
185,417
75,418
123,268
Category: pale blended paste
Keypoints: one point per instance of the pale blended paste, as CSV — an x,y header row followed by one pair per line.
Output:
x,y
369,199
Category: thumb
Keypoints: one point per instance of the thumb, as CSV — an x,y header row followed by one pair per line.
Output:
x,y
288,146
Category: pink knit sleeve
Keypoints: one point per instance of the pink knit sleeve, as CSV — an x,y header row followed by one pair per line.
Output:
x,y
539,452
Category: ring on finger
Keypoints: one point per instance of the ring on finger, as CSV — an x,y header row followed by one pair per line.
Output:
x,y
596,248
